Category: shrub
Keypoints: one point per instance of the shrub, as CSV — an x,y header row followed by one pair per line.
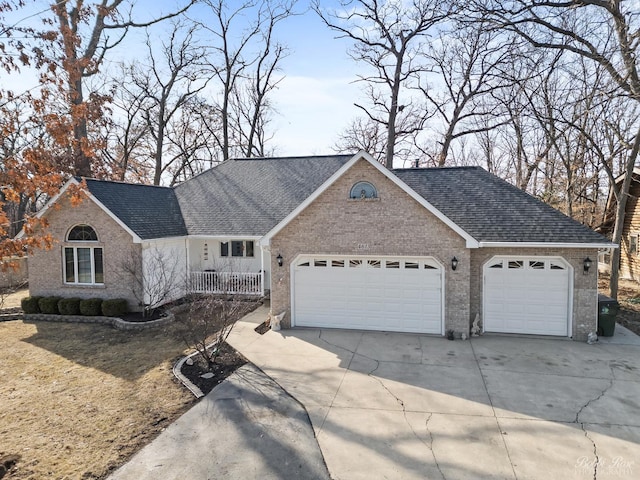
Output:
x,y
91,306
30,304
49,305
69,306
115,307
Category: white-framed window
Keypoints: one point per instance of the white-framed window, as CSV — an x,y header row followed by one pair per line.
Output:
x,y
239,248
82,264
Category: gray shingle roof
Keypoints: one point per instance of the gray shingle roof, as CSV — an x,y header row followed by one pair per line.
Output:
x,y
151,212
492,210
251,196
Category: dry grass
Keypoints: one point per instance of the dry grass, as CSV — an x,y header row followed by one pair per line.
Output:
x,y
79,400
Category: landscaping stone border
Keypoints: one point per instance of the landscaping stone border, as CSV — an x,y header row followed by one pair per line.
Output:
x,y
177,372
115,322
7,317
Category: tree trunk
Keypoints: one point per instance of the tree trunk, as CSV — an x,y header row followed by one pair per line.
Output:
x,y
393,112
623,195
81,162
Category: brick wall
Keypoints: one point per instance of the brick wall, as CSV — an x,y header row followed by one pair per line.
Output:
x,y
394,224
585,292
45,266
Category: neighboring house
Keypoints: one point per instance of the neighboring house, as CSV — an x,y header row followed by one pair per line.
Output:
x,y
629,245
340,242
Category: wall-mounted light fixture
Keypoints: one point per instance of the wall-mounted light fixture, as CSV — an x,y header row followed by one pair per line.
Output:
x,y
454,263
279,259
587,262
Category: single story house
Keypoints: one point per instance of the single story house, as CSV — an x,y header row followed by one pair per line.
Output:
x,y
339,241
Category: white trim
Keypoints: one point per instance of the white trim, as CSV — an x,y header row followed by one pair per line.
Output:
x,y
51,201
362,155
226,237
76,274
544,245
443,283
134,235
147,242
65,187
563,260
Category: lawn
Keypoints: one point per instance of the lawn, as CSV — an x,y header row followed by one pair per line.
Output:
x,y
79,400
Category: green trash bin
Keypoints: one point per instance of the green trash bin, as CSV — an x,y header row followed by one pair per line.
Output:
x,y
607,311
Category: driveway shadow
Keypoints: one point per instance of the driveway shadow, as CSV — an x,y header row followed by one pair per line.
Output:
x,y
475,409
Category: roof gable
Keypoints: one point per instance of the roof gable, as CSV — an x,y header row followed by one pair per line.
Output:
x,y
362,155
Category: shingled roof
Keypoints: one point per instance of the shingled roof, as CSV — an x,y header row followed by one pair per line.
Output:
x,y
150,211
250,196
492,210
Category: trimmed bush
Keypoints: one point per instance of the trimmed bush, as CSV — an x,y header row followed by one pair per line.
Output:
x,y
30,304
115,307
69,306
49,305
91,307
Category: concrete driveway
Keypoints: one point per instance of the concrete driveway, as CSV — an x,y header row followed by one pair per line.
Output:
x,y
402,406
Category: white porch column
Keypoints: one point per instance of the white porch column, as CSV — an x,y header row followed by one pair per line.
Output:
x,y
262,271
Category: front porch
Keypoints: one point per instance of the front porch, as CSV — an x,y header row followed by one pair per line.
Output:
x,y
232,283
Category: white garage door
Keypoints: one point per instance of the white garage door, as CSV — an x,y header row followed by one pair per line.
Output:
x,y
527,295
368,293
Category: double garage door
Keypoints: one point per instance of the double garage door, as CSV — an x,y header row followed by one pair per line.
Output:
x,y
527,295
368,293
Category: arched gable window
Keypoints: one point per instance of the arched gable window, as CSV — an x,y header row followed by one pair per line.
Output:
x,y
82,233
83,265
363,190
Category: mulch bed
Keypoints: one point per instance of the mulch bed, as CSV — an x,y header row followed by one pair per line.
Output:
x,y
139,317
227,362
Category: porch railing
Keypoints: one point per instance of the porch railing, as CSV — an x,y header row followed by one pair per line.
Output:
x,y
227,282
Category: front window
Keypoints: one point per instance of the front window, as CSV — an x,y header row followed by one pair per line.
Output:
x,y
239,248
83,265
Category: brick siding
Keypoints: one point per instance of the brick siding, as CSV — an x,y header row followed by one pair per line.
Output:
x,y
45,266
585,291
394,225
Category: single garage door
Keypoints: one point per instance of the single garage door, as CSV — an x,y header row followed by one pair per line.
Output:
x,y
368,293
527,295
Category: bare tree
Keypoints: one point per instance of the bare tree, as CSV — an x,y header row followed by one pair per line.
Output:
x,y
246,58
156,276
468,61
167,84
363,134
126,131
389,37
208,321
76,47
603,32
